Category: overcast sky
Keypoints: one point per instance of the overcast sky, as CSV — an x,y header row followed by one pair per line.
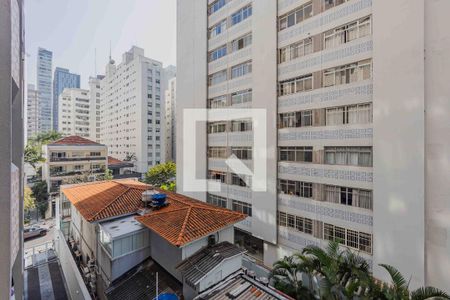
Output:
x,y
73,29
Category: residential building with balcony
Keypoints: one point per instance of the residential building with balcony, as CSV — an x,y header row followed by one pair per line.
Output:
x,y
75,112
70,158
44,87
62,79
32,110
351,156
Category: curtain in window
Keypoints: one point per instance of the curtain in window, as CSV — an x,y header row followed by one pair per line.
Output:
x,y
341,156
353,115
332,195
365,158
353,157
335,116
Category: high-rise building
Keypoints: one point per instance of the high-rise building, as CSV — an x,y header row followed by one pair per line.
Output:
x,y
351,156
62,79
170,122
94,111
74,112
12,50
32,110
44,87
132,95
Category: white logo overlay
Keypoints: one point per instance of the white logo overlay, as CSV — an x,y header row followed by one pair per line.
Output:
x,y
258,176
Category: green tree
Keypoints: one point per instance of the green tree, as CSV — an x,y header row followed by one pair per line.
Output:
x,y
40,194
44,138
33,155
28,199
171,187
162,174
108,175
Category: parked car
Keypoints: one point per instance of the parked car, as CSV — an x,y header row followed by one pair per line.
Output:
x,y
33,231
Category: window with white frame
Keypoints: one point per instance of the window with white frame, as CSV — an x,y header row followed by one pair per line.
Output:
x,y
242,152
216,5
350,114
241,70
295,85
216,200
241,15
218,102
217,127
241,97
327,4
241,180
295,16
217,176
217,28
349,196
241,43
295,50
351,238
217,152
294,222
346,74
242,207
347,33
295,154
217,78
218,53
241,125
295,119
349,156
295,188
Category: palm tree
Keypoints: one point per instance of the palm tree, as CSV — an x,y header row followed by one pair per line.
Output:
x,y
399,288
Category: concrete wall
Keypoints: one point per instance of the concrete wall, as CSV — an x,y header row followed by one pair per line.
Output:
x,y
225,235
437,148
125,263
165,254
85,233
398,78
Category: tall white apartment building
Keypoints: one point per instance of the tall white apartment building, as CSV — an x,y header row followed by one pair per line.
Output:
x,y
132,95
74,112
170,122
94,110
44,86
357,124
32,110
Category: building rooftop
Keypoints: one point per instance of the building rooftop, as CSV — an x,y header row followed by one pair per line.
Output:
x,y
241,286
74,140
117,163
101,200
185,219
205,260
122,226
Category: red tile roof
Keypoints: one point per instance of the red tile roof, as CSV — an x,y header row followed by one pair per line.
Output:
x,y
74,140
185,219
100,200
114,161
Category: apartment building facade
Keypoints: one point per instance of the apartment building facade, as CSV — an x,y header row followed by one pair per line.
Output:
x,y
349,148
75,112
131,109
170,120
62,78
12,89
44,86
32,110
94,111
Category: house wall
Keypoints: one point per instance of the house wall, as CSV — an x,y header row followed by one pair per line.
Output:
x,y
165,254
84,233
124,263
223,270
225,235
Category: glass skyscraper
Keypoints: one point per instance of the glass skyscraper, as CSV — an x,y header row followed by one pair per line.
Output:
x,y
62,79
44,87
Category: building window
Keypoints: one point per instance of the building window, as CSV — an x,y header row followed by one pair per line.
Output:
x,y
332,3
349,156
241,180
95,154
295,85
295,119
241,15
241,70
217,176
217,152
218,53
351,238
242,207
348,73
217,127
296,16
216,200
217,29
348,33
241,42
349,196
216,5
295,154
217,78
242,152
241,97
241,125
295,188
218,102
295,50
351,114
300,224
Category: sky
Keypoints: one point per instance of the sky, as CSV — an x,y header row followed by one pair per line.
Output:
x,y
74,30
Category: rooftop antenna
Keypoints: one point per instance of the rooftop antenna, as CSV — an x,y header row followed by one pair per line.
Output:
x,y
111,61
95,61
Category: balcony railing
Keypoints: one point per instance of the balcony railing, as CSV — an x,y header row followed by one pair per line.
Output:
x,y
89,158
72,173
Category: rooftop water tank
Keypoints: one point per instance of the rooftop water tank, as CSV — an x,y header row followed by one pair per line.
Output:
x,y
159,200
166,296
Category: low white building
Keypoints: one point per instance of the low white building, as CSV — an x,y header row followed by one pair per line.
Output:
x,y
74,112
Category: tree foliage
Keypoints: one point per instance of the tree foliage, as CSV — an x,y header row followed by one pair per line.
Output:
x,y
40,194
33,155
28,199
33,149
44,138
162,174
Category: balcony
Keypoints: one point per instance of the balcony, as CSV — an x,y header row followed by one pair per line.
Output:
x,y
230,86
69,159
219,164
64,173
235,192
230,34
238,139
231,59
